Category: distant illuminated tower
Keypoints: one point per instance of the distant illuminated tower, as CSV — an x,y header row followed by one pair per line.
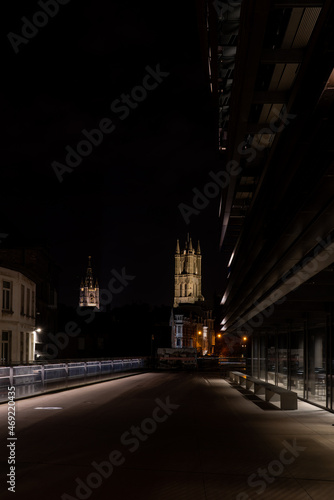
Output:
x,y
89,293
188,274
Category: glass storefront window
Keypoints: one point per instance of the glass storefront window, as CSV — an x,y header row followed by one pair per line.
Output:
x,y
316,376
282,367
255,356
263,360
271,359
297,363
301,360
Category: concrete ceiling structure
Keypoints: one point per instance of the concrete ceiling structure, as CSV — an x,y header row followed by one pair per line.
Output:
x,y
272,75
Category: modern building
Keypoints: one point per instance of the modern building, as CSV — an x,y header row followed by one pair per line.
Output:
x,y
272,77
89,289
17,318
191,319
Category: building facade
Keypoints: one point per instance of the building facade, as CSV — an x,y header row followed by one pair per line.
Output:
x,y
17,318
192,325
89,289
34,261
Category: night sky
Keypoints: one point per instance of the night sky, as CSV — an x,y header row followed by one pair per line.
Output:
x,y
120,204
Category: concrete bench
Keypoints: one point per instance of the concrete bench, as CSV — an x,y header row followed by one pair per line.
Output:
x,y
272,393
251,383
238,378
288,399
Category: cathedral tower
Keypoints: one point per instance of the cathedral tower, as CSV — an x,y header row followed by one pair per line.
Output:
x,y
188,274
89,292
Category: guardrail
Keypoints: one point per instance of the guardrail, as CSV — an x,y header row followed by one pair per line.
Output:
x,y
220,363
37,379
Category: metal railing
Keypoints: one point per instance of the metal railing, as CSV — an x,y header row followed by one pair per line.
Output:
x,y
39,378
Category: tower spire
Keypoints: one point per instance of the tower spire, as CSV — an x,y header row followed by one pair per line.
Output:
x,y
177,247
89,274
188,274
89,293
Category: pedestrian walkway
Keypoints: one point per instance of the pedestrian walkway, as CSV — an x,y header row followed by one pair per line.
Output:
x,y
245,449
287,454
171,436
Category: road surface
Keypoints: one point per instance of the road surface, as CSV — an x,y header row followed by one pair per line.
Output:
x,y
160,436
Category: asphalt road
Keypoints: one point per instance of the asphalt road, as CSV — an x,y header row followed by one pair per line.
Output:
x,y
150,436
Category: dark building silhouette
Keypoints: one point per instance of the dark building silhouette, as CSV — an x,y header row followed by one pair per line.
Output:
x,y
34,261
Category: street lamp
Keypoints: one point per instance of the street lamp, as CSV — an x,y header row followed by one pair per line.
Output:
x,y
244,346
35,332
198,344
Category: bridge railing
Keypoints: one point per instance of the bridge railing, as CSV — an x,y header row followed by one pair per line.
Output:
x,y
39,378
221,364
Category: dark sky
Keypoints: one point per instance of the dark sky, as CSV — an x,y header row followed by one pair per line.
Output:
x,y
120,204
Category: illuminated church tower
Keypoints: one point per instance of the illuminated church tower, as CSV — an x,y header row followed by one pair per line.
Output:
x,y
89,293
188,274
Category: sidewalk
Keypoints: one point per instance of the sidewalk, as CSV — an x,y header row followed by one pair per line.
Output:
x,y
287,454
216,443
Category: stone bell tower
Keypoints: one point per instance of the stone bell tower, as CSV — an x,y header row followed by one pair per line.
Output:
x,y
89,291
188,274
